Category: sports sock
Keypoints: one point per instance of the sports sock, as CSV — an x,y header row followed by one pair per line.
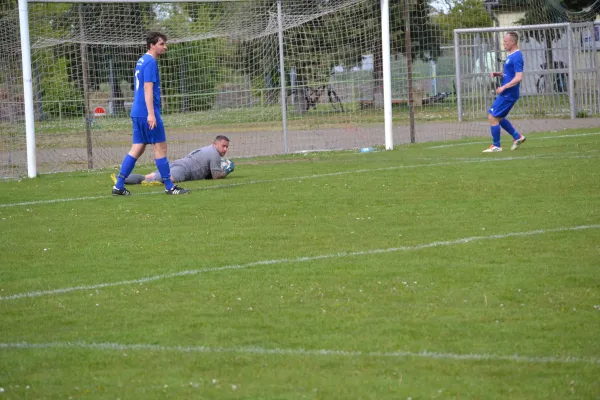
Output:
x,y
126,168
165,172
504,123
495,130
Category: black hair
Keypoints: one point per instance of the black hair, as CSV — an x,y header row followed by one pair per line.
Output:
x,y
153,38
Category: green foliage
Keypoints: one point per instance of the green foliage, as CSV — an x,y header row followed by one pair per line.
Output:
x,y
9,23
463,14
551,12
194,66
58,93
555,11
177,79
7,7
317,46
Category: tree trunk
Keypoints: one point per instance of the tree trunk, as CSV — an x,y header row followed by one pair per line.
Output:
x,y
378,77
549,65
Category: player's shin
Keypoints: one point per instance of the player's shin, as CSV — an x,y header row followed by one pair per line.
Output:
x,y
507,126
126,168
165,172
495,131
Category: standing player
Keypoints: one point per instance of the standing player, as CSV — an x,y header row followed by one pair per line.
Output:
x,y
203,163
147,123
508,94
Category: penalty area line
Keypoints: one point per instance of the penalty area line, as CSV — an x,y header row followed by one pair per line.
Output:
x,y
533,138
299,178
192,272
301,352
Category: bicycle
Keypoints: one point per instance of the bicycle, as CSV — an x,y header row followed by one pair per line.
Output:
x,y
438,98
560,80
313,95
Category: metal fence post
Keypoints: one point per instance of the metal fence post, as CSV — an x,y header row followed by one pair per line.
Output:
x,y
572,99
282,77
457,82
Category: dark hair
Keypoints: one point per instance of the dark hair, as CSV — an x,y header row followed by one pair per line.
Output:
x,y
221,137
153,37
514,36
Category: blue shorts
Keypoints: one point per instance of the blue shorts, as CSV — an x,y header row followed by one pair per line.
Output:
x,y
142,134
501,107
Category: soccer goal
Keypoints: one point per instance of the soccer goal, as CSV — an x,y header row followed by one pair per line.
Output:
x,y
246,69
277,76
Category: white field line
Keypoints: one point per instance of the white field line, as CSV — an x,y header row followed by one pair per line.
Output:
x,y
300,352
441,146
66,200
566,155
315,176
293,260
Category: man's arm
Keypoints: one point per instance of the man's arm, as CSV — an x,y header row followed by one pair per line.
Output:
x,y
217,171
514,82
149,98
218,174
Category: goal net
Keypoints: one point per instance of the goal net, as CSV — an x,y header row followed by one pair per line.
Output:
x,y
222,75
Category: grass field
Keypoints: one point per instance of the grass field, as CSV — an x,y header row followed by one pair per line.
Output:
x,y
431,271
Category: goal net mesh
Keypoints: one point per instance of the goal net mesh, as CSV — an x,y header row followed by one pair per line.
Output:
x,y
221,75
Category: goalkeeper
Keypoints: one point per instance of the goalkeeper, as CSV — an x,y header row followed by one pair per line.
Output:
x,y
203,163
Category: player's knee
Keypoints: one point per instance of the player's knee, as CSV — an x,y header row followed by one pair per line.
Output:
x,y
175,177
160,150
137,150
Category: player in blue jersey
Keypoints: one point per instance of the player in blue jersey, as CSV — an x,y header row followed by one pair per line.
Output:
x,y
148,127
508,94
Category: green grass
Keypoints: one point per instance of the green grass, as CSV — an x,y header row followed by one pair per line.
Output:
x,y
358,255
244,119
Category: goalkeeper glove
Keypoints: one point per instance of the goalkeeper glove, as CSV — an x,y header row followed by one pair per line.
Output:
x,y
230,167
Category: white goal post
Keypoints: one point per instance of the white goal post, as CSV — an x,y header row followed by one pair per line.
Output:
x,y
28,91
27,88
279,76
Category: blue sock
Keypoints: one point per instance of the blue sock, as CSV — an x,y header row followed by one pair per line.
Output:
x,y
165,171
126,168
495,130
504,123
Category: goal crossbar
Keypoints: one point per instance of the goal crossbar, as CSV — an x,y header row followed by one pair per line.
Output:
x,y
132,1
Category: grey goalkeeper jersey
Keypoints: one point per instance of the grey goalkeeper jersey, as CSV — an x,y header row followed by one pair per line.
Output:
x,y
199,163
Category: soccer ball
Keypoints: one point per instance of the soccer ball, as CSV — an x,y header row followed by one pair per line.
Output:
x,y
225,163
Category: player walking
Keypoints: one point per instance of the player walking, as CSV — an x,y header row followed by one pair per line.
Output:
x,y
508,94
148,127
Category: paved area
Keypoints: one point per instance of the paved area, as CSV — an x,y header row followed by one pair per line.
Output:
x,y
109,150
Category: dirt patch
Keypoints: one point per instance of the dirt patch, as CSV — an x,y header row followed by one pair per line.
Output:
x,y
69,153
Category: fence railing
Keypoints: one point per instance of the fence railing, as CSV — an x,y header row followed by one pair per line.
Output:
x,y
560,75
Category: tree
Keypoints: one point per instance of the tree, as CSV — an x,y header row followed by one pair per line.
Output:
x,y
191,66
463,14
551,12
365,37
338,37
9,30
425,35
104,28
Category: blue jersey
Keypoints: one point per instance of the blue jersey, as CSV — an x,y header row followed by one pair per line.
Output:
x,y
146,70
512,65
